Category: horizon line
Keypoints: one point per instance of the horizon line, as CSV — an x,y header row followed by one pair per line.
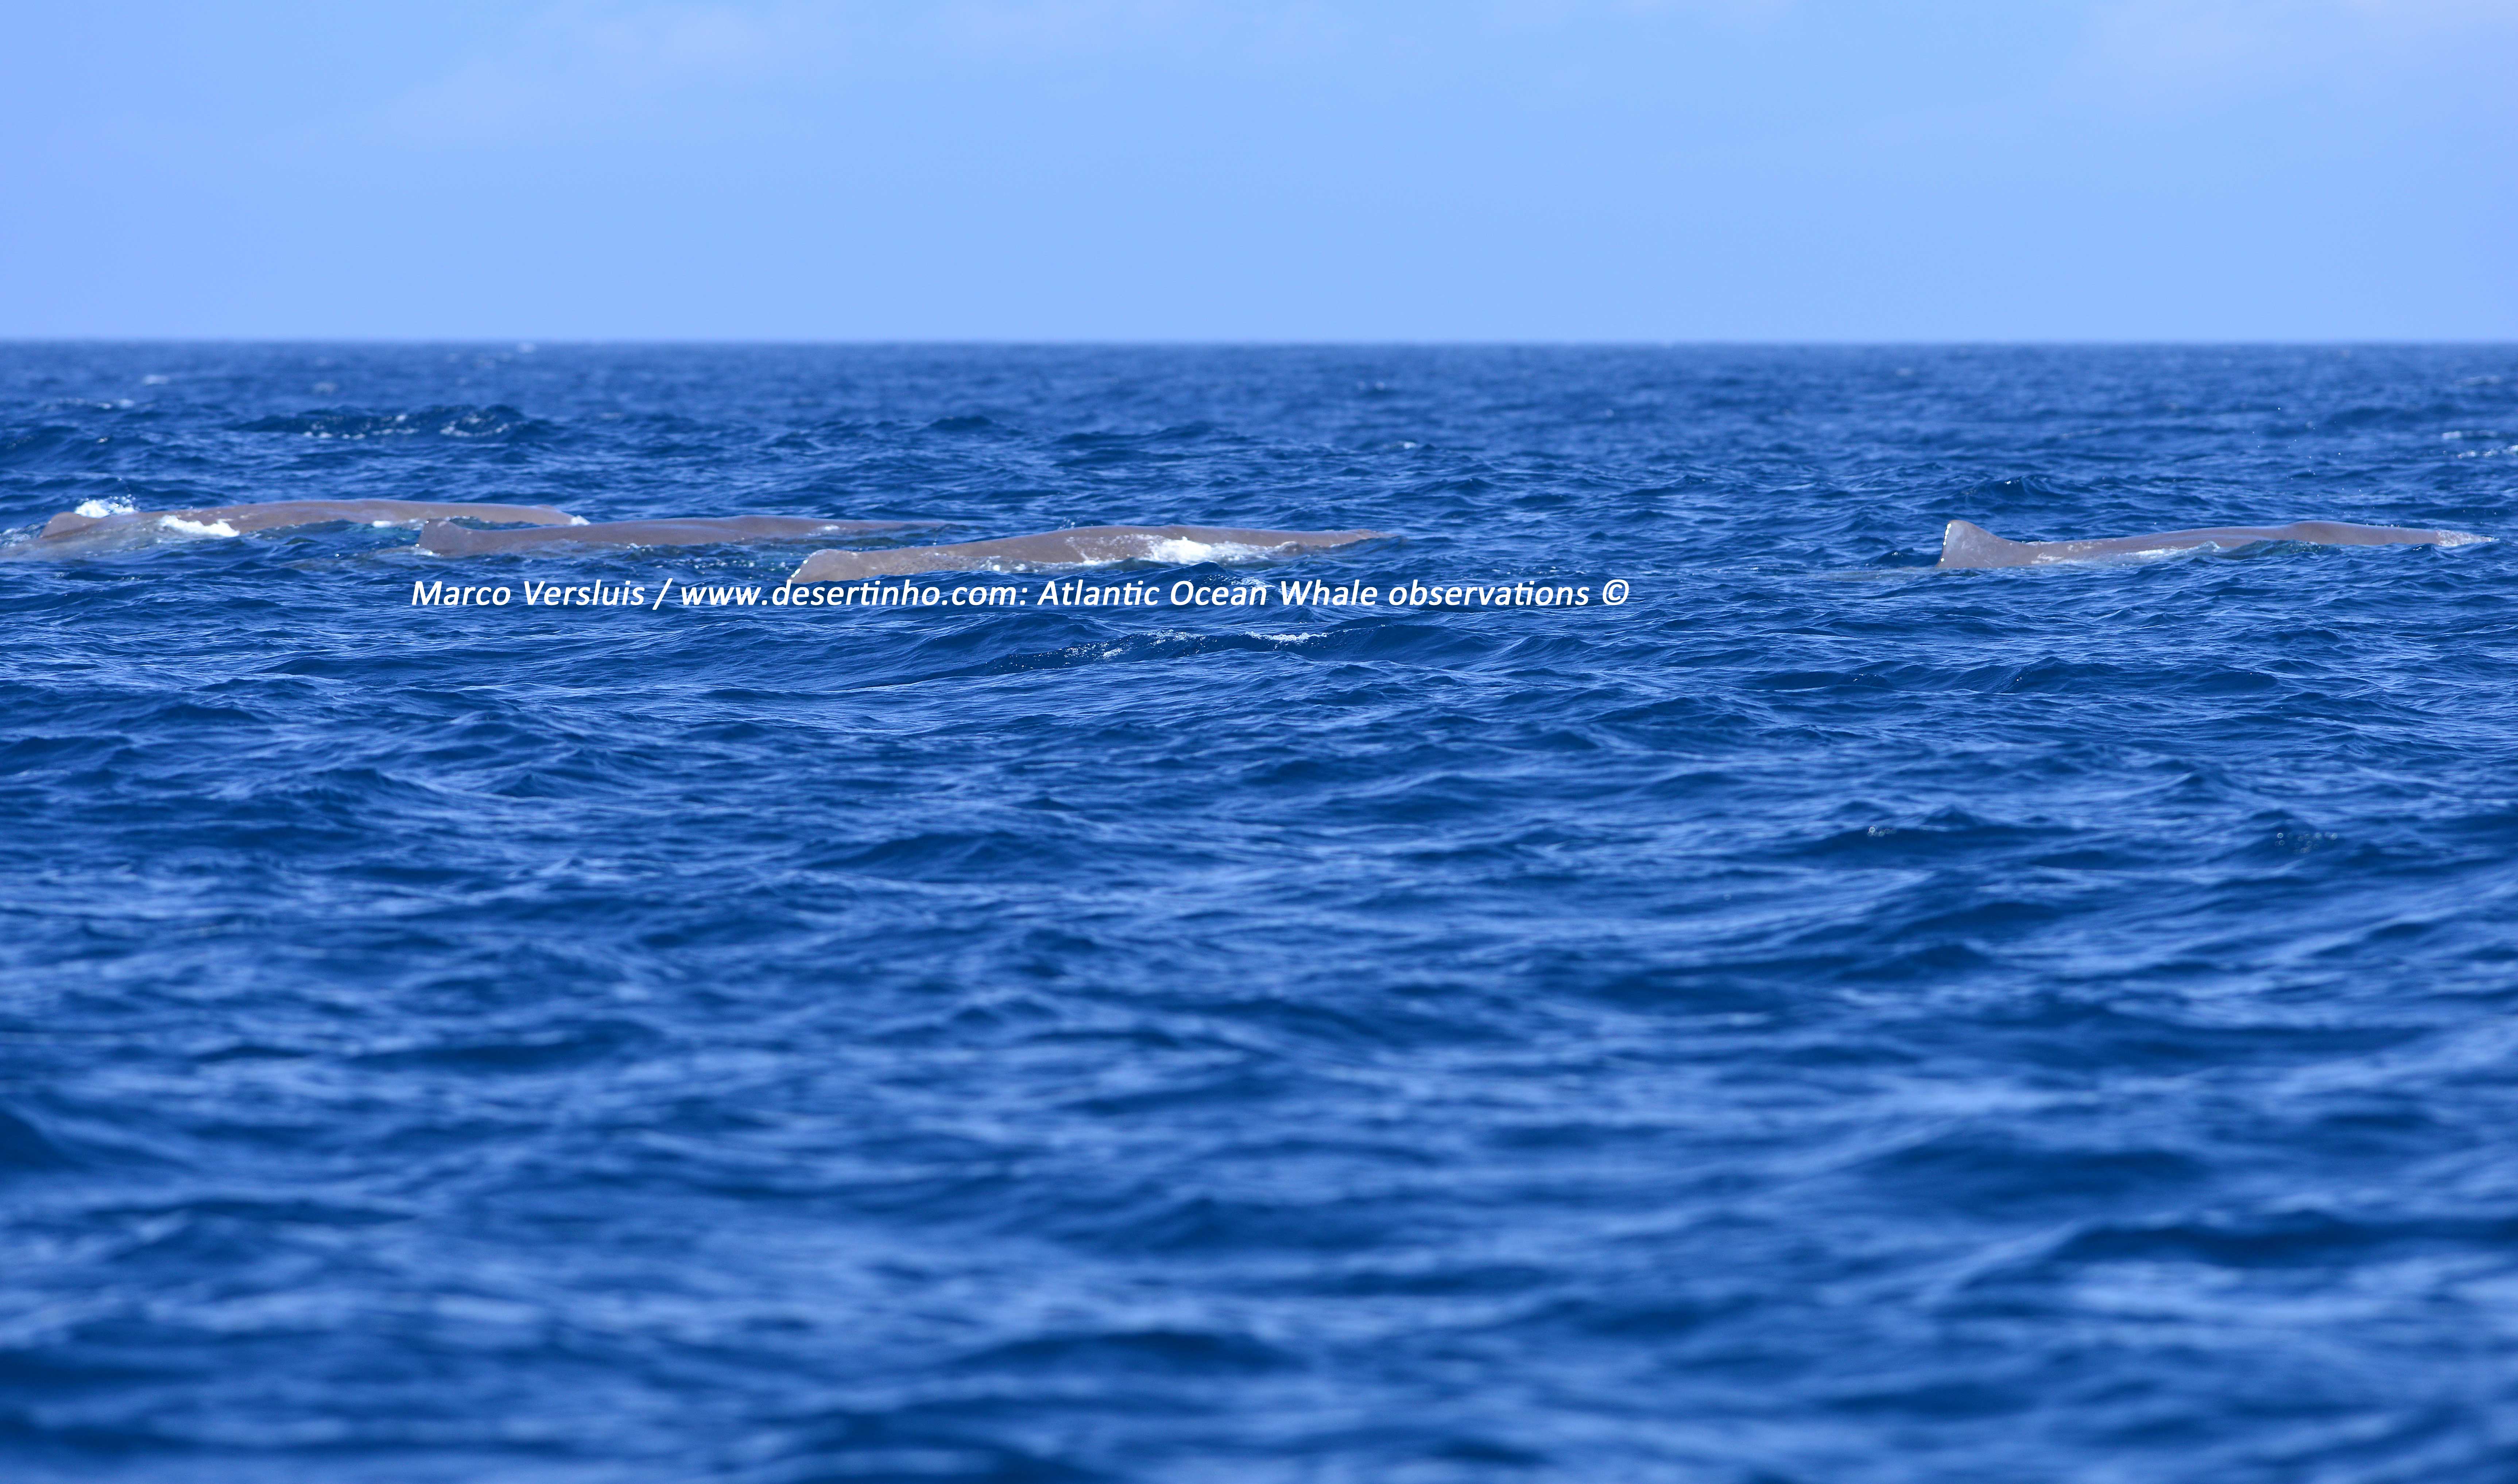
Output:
x,y
535,343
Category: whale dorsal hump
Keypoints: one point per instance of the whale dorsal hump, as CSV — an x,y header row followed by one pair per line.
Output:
x,y
1965,543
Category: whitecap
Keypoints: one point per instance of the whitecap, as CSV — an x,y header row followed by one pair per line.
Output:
x,y
184,527
1181,552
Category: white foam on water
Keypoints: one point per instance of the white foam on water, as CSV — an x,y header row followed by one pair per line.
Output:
x,y
184,527
2461,539
99,510
1184,552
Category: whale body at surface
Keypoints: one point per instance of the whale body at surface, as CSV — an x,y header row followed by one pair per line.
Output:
x,y
90,527
1967,545
442,538
1081,545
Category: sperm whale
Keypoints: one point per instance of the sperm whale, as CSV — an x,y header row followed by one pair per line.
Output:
x,y
1080,544
1968,545
439,537
90,525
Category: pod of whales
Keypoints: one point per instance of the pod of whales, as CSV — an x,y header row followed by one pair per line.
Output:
x,y
1966,546
89,526
526,528
444,538
1081,544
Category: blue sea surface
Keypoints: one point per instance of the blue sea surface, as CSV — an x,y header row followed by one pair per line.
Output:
x,y
1822,1019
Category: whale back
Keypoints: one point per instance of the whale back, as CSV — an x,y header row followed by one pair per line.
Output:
x,y
1074,547
68,523
444,538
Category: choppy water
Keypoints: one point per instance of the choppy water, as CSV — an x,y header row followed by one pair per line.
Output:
x,y
1821,1021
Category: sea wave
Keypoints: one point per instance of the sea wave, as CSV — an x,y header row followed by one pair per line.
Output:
x,y
496,421
1818,1020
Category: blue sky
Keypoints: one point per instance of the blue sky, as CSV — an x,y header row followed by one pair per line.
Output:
x,y
1267,170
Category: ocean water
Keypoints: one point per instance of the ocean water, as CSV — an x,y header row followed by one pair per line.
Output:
x,y
1820,1019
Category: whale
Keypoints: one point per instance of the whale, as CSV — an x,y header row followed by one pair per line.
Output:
x,y
1968,547
1078,545
444,538
91,526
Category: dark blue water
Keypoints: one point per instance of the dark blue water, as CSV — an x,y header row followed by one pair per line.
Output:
x,y
1822,1019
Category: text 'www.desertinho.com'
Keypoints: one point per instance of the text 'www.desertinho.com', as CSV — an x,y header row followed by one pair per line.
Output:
x,y
1187,592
